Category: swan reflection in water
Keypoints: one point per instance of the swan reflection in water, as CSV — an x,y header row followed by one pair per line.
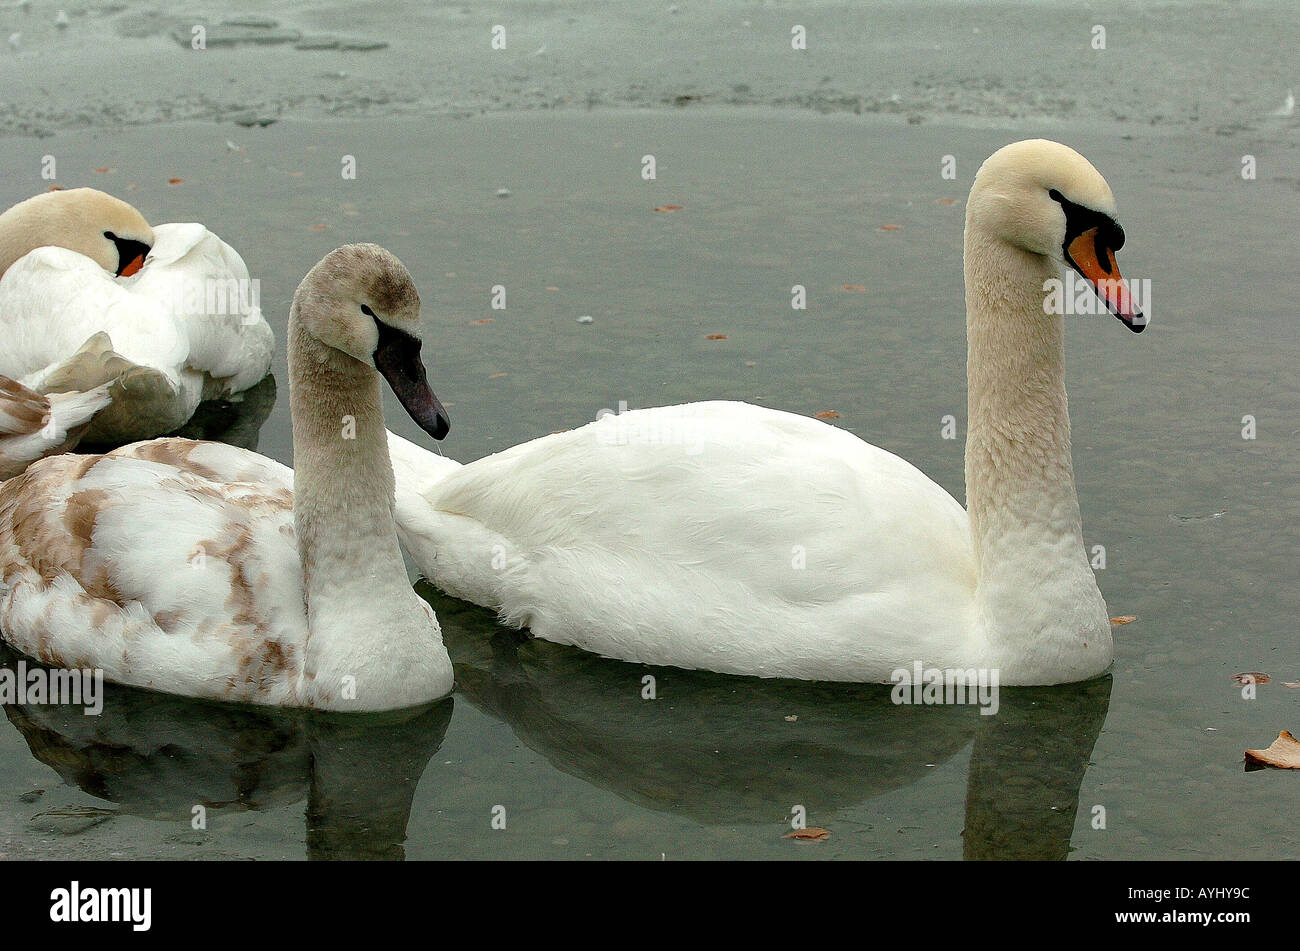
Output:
x,y
235,419
716,749
158,756
722,750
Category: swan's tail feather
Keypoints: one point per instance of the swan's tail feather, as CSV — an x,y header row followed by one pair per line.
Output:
x,y
33,426
71,411
138,393
94,364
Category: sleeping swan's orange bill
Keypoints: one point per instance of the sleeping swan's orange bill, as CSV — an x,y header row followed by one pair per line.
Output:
x,y
1096,262
134,267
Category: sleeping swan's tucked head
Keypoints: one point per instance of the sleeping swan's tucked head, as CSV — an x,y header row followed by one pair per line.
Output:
x,y
103,228
361,304
1045,198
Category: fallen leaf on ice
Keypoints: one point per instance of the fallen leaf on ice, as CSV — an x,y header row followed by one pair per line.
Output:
x,y
1123,619
814,833
1284,753
826,414
1251,677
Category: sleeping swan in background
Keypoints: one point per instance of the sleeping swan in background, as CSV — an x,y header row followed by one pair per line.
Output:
x,y
764,543
90,292
200,569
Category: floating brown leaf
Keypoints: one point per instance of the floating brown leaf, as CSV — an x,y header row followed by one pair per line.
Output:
x,y
814,833
551,287
174,181
497,376
715,337
827,414
1251,677
891,227
482,320
751,363
103,171
852,287
664,209
1123,619
1284,753
947,201
319,227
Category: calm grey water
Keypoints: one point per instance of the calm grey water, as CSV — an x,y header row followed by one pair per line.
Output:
x,y
1199,524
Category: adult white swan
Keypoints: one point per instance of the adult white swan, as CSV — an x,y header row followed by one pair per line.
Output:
x,y
200,569
181,316
676,535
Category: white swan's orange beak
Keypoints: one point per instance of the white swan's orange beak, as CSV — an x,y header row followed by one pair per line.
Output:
x,y
1090,256
131,254
133,267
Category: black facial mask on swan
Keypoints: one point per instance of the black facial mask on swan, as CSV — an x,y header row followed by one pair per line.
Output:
x,y
398,358
1091,240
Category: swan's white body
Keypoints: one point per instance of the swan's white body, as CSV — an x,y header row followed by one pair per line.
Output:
x,y
752,547
778,546
33,425
168,564
745,540
185,328
191,568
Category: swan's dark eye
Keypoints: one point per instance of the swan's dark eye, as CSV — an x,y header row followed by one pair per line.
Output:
x,y
365,309
1079,219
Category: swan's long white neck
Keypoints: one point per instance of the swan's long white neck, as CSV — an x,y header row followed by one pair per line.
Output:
x,y
366,622
1037,597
